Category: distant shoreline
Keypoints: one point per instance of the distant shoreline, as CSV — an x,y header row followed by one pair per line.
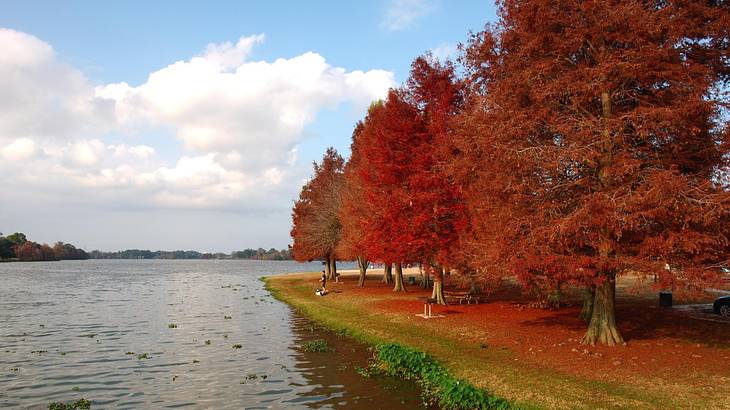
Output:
x,y
150,259
246,254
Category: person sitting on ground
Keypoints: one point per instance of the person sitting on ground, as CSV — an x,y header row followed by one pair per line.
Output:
x,y
321,292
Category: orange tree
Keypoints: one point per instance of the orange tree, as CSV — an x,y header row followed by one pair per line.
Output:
x,y
594,144
411,209
354,212
315,217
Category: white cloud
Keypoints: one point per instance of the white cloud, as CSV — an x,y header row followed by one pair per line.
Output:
x,y
41,98
254,111
403,14
20,149
24,50
86,153
443,51
227,55
238,122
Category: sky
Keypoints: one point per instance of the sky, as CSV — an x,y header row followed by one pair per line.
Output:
x,y
192,125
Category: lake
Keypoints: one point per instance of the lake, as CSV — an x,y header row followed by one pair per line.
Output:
x,y
133,334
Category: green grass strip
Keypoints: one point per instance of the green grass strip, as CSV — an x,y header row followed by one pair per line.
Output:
x,y
439,386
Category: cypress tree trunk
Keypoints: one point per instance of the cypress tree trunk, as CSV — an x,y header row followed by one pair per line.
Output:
x,y
602,327
587,311
426,283
362,264
399,278
388,273
333,268
327,267
438,287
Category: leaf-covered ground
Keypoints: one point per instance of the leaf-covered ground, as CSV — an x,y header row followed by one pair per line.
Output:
x,y
532,356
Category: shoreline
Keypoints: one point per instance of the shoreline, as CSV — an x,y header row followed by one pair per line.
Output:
x,y
439,386
479,354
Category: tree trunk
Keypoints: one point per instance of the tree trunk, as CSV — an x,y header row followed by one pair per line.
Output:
x,y
388,273
602,327
327,267
333,269
399,278
362,264
438,286
587,311
426,282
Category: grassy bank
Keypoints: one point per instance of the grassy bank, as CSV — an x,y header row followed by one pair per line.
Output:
x,y
478,354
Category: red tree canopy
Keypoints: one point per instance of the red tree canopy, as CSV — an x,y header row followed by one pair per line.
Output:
x,y
315,218
593,142
413,210
595,131
354,216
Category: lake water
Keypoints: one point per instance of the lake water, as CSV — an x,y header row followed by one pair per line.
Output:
x,y
161,333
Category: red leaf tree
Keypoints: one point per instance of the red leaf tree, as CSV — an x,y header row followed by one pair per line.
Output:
x,y
354,217
412,210
593,144
315,217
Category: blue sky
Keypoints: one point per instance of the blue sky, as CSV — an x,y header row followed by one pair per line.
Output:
x,y
137,149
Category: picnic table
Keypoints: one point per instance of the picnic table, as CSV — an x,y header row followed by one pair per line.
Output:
x,y
427,303
463,296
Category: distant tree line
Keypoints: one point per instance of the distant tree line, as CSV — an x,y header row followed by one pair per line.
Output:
x,y
17,247
258,254
262,254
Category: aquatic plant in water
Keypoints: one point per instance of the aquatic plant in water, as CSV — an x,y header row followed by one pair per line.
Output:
x,y
317,345
80,404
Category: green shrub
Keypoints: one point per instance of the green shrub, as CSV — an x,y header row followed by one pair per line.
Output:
x,y
438,386
366,372
317,345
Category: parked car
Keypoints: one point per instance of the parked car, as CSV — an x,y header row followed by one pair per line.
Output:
x,y
722,306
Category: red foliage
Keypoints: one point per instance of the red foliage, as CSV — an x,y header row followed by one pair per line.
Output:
x,y
588,139
31,251
593,135
315,218
354,216
411,210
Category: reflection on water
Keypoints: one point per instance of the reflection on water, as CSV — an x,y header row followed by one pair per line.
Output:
x,y
333,382
103,330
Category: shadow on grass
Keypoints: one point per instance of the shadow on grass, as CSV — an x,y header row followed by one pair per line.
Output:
x,y
644,321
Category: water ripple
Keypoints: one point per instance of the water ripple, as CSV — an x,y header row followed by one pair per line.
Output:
x,y
160,334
